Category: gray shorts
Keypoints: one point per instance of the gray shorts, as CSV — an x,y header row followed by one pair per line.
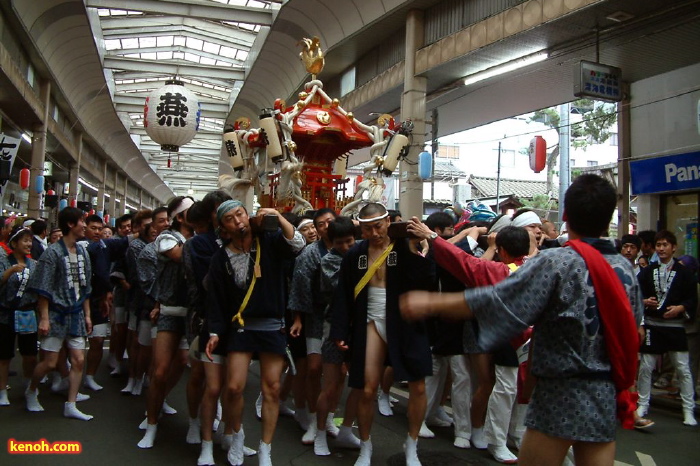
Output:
x,y
575,408
331,354
171,324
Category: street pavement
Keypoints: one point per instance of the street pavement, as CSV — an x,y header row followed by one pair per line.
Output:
x,y
111,437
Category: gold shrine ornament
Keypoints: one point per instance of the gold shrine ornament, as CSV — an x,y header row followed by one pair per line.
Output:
x,y
312,55
323,117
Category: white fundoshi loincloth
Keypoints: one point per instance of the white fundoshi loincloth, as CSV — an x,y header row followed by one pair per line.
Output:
x,y
376,309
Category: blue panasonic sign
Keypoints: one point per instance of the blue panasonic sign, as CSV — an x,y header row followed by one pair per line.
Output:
x,y
665,174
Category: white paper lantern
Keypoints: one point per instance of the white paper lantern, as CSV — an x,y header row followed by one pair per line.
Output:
x,y
171,115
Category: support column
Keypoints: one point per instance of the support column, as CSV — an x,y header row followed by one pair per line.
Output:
x,y
126,194
38,152
140,198
413,107
75,168
100,207
624,152
113,199
564,143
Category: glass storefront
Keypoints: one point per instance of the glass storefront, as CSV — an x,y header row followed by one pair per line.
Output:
x,y
680,213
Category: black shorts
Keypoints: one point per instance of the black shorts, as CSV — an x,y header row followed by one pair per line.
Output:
x,y
659,340
257,341
27,342
331,354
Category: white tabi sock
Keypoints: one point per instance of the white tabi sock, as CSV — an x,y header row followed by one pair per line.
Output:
x,y
206,457
4,401
346,439
321,444
167,409
91,384
70,410
193,433
149,437
365,458
265,458
129,386
32,397
331,428
411,449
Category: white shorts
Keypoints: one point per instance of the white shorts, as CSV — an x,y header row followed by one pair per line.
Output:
x,y
120,315
100,331
133,322
313,345
154,331
216,358
376,309
144,333
54,344
183,343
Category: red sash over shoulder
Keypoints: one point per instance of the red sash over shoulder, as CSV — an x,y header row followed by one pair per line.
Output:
x,y
619,328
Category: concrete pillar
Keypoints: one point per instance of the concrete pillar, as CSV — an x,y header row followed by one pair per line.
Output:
x,y
100,207
113,199
75,168
38,152
413,107
126,194
624,152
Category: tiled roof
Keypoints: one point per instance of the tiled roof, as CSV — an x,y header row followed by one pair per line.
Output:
x,y
486,187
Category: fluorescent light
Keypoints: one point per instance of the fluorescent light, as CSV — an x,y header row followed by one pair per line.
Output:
x,y
129,206
26,137
506,67
87,185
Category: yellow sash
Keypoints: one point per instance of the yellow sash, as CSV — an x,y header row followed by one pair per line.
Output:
x,y
513,267
239,316
372,270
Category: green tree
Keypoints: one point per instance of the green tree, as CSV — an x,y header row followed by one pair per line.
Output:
x,y
598,118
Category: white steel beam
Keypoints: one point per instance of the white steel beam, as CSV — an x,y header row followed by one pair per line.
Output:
x,y
192,9
173,69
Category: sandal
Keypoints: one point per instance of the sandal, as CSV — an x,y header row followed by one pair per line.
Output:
x,y
643,423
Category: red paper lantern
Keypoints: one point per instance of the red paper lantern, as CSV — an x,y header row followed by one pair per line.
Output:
x,y
74,203
92,212
50,192
538,154
24,175
106,218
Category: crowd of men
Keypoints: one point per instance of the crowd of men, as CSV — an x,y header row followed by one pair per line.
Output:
x,y
533,335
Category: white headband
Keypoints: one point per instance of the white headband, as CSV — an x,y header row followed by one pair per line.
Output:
x,y
185,204
500,224
303,223
528,218
373,219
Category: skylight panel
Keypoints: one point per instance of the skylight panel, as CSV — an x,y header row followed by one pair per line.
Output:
x,y
113,44
178,56
118,12
179,40
207,61
103,12
147,42
164,56
164,41
133,55
130,43
149,56
191,57
193,43
241,55
211,48
228,52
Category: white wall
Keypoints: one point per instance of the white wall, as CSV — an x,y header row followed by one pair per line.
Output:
x,y
664,121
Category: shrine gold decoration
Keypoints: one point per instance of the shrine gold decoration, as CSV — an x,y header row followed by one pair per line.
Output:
x,y
323,117
312,55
